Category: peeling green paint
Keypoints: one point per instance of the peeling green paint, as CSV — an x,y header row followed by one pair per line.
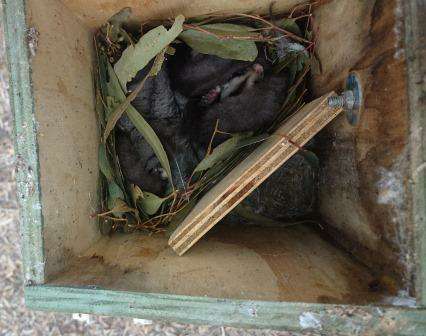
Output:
x,y
318,319
25,130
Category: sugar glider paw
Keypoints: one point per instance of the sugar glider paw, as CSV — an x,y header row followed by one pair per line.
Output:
x,y
255,74
258,69
211,96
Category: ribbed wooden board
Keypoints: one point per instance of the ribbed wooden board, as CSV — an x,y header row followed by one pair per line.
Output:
x,y
251,172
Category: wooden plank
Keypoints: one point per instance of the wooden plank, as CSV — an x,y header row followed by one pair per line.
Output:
x,y
415,47
26,148
317,319
251,172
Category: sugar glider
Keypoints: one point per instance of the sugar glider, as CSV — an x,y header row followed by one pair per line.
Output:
x,y
248,102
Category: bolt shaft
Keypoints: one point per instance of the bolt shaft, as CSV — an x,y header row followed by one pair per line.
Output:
x,y
346,100
336,101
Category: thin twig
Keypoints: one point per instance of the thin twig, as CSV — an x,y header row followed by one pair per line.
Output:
x,y
123,106
273,26
209,148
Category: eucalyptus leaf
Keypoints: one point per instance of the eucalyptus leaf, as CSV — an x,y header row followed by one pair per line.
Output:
x,y
170,51
103,73
311,158
290,25
115,200
119,207
150,203
221,152
136,193
105,225
114,193
103,163
113,29
205,43
119,108
284,63
137,56
252,140
292,72
139,122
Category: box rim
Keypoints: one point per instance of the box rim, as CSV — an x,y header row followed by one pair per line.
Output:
x,y
25,140
274,315
415,48
290,316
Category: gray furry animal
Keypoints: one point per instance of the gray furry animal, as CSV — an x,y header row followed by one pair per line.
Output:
x,y
136,169
157,103
194,74
207,88
248,106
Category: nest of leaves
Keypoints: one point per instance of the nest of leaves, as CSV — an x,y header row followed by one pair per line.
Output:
x,y
122,52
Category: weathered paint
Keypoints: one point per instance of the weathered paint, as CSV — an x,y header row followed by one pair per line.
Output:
x,y
415,13
25,130
319,319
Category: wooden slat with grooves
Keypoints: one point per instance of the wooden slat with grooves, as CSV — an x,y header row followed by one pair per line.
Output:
x,y
251,172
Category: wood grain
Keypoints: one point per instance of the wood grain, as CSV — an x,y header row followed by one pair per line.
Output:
x,y
251,172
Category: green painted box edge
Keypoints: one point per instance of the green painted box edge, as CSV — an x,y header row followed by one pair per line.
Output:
x,y
275,315
25,140
322,318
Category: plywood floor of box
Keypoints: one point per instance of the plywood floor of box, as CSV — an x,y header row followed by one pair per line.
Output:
x,y
276,264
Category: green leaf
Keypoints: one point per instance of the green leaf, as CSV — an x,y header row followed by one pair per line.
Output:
x,y
292,72
105,225
311,158
170,51
290,25
205,43
221,152
284,63
252,140
113,28
150,203
119,207
114,116
103,72
149,135
114,193
115,202
139,122
104,164
137,56
136,193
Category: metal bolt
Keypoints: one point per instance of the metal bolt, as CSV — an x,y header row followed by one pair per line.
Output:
x,y
346,100
350,100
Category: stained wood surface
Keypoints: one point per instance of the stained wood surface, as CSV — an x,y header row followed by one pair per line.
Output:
x,y
313,319
251,172
292,264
